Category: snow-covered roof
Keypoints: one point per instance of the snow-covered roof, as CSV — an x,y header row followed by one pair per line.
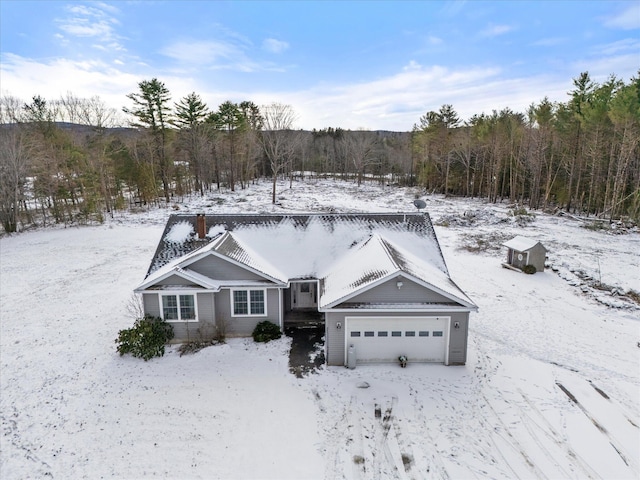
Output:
x,y
232,247
348,252
378,259
302,245
520,243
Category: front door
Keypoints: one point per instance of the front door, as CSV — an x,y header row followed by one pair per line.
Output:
x,y
303,295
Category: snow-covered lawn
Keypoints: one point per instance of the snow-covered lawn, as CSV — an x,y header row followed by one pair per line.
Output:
x,y
551,388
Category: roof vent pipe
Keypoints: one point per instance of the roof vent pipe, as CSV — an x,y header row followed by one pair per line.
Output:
x,y
201,225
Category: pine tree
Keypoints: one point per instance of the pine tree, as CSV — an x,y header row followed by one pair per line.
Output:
x,y
151,112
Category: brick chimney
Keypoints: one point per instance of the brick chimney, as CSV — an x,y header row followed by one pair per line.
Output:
x,y
201,225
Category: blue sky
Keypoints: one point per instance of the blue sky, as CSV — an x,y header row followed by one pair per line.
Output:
x,y
366,64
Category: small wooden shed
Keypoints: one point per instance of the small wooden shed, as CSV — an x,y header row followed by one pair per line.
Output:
x,y
524,251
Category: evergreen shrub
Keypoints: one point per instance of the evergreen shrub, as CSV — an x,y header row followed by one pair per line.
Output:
x,y
146,339
266,331
530,269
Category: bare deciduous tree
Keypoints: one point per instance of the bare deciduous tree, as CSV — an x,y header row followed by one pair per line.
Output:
x,y
15,154
278,141
362,149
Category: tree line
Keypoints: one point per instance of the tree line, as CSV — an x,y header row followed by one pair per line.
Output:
x,y
582,155
66,160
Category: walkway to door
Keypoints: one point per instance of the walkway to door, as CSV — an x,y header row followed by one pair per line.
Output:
x,y
306,330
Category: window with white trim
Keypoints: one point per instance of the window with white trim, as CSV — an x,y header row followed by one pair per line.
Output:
x,y
179,308
249,302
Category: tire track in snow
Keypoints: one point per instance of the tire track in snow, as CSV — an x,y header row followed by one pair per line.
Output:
x,y
435,467
386,465
407,455
507,437
548,429
334,440
359,465
617,445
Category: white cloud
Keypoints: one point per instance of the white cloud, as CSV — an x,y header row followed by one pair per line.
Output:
x,y
624,66
629,45
201,52
395,102
627,19
24,78
80,27
96,21
496,30
274,46
433,40
412,65
89,21
217,55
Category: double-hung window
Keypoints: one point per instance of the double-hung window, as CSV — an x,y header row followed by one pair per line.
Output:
x,y
249,302
179,308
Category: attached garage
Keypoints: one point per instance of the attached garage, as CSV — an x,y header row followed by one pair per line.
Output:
x,y
384,339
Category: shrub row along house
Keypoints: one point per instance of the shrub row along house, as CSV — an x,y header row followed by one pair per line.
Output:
x,y
379,280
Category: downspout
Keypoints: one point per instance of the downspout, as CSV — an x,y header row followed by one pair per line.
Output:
x,y
280,319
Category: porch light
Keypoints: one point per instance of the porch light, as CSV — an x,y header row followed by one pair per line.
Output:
x,y
338,325
399,284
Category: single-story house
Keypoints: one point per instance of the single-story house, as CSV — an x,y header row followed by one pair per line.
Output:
x,y
379,281
522,251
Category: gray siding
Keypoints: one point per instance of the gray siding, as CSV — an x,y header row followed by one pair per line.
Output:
x,y
205,308
388,292
215,267
458,338
537,256
176,280
243,326
335,338
151,304
184,331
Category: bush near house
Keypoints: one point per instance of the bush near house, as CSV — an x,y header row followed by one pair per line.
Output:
x,y
266,331
530,269
146,339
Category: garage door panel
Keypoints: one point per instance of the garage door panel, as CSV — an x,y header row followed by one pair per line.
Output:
x,y
384,339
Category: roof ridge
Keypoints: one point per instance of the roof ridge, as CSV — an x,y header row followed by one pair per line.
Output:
x,y
385,246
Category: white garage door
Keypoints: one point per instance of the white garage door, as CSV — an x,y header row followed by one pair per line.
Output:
x,y
384,339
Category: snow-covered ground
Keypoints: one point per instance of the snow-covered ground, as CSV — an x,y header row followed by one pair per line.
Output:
x,y
551,388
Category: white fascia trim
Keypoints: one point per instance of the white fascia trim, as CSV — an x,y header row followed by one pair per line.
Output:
x,y
244,284
198,278
177,270
382,311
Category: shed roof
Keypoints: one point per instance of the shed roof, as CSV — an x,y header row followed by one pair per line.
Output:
x,y
522,244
